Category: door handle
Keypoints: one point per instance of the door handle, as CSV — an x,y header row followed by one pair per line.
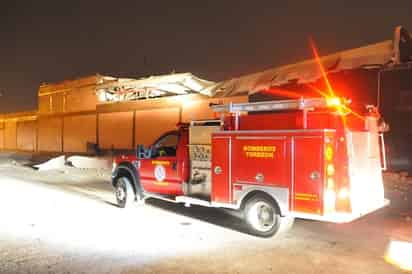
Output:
x,y
174,165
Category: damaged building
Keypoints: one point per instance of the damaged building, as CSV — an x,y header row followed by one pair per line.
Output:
x,y
107,113
117,113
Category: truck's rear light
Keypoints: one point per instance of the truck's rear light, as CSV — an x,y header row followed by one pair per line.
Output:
x,y
329,200
329,153
343,193
330,183
337,196
330,169
343,202
329,195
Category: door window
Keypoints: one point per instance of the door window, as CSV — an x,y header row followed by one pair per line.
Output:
x,y
166,145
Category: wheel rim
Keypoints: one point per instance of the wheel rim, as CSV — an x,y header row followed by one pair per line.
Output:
x,y
262,216
120,192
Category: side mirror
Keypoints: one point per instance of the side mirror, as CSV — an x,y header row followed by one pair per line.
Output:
x,y
143,153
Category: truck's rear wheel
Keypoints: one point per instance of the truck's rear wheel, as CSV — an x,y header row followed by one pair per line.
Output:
x,y
125,195
262,216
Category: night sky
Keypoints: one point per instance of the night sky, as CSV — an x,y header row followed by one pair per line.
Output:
x,y
47,41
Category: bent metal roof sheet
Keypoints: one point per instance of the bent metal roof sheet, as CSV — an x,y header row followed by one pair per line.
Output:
x,y
306,71
124,89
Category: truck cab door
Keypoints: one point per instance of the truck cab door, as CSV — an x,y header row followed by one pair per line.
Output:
x,y
161,172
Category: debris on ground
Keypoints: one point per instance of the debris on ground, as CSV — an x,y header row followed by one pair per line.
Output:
x,y
82,162
89,162
54,163
394,181
398,189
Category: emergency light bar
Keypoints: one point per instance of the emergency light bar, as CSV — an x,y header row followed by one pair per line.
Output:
x,y
297,104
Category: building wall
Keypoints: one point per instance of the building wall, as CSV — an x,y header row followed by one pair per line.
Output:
x,y
69,117
1,135
44,104
150,124
69,96
50,134
1,138
58,103
116,130
10,137
78,131
81,99
200,109
152,118
27,135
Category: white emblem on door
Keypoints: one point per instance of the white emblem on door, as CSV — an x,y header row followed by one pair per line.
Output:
x,y
160,173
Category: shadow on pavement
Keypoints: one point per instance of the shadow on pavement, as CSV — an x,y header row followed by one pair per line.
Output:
x,y
221,217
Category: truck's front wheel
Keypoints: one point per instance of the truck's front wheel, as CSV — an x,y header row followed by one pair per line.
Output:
x,y
262,216
125,195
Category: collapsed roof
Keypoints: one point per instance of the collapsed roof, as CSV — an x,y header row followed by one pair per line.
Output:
x,y
125,89
386,53
390,52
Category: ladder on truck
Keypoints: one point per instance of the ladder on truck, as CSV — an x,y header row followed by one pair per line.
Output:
x,y
303,104
279,105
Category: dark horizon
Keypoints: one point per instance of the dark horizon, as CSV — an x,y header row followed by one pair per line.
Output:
x,y
50,41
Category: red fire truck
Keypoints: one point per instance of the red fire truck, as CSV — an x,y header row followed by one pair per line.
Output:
x,y
273,161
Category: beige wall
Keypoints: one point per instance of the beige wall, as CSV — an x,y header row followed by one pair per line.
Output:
x,y
1,138
152,118
44,104
51,103
150,124
78,130
1,135
118,127
116,130
26,135
58,103
10,131
81,99
49,130
72,100
69,96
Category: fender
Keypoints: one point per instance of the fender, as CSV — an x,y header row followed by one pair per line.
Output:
x,y
279,194
133,174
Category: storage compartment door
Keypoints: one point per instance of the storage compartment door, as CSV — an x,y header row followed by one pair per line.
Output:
x,y
220,170
308,174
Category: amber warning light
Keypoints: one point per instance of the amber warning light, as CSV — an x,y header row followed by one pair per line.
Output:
x,y
334,102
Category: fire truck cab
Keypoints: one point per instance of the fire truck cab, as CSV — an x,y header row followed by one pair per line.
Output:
x,y
273,161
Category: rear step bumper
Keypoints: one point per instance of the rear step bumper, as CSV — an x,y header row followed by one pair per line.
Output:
x,y
339,217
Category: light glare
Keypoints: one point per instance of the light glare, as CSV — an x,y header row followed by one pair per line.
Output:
x,y
343,193
330,170
399,253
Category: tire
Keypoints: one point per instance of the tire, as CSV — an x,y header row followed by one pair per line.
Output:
x,y
286,224
262,216
125,195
